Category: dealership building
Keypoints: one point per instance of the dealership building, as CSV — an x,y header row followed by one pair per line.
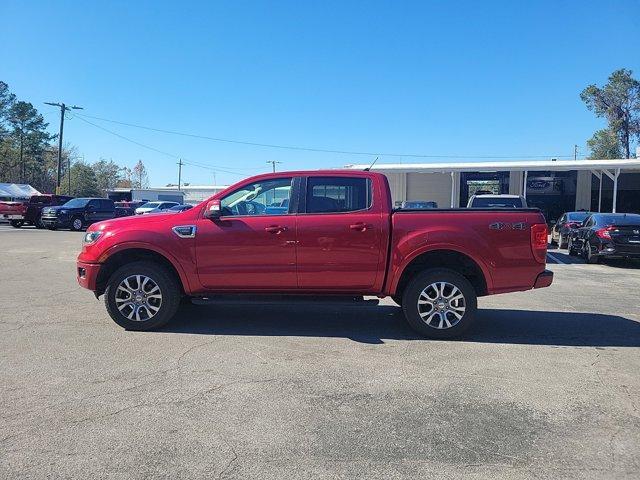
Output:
x,y
554,186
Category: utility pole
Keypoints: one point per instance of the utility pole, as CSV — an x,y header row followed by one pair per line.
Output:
x,y
179,173
273,162
575,152
63,109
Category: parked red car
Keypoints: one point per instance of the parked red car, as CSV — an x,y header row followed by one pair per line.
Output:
x,y
339,235
29,211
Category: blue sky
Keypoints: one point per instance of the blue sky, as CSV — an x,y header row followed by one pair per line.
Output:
x,y
434,78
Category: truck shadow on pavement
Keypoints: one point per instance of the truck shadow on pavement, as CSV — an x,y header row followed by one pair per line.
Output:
x,y
373,324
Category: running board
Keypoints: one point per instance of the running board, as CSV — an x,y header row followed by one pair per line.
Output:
x,y
280,299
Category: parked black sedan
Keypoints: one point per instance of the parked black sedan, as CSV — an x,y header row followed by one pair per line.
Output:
x,y
607,235
561,230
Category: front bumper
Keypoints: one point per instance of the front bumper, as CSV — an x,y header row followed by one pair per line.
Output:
x,y
55,221
544,279
87,274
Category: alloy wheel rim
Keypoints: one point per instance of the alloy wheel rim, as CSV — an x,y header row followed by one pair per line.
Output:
x,y
77,224
441,305
138,298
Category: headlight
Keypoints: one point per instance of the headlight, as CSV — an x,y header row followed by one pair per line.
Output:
x,y
91,237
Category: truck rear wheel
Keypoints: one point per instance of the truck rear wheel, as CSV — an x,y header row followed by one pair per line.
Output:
x,y
17,223
439,303
142,296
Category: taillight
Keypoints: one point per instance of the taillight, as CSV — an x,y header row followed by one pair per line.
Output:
x,y
605,232
539,242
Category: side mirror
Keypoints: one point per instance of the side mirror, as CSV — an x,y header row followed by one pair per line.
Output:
x,y
213,210
91,208
552,222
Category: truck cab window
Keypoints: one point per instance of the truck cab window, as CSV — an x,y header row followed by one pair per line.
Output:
x,y
268,197
337,194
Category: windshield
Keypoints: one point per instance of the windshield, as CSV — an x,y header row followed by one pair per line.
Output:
x,y
577,216
77,203
626,219
497,202
151,205
179,208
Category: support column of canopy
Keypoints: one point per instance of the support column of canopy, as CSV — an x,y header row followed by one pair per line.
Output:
x,y
613,176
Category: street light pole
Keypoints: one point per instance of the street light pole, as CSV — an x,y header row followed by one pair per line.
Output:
x,y
63,109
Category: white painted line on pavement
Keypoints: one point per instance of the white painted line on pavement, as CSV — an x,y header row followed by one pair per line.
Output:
x,y
555,259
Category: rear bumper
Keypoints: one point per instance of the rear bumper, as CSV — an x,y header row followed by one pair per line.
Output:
x,y
87,274
544,279
12,216
616,250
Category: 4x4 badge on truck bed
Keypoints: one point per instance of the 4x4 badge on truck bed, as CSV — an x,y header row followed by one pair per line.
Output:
x,y
508,226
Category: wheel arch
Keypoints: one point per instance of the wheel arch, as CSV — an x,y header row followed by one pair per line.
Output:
x,y
134,253
444,258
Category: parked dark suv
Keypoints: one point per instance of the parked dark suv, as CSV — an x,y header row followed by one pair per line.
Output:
x,y
607,235
78,213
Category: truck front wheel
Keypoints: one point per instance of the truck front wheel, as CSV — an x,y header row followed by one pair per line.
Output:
x,y
142,296
439,303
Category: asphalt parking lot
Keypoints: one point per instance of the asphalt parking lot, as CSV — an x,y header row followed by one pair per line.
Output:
x,y
546,385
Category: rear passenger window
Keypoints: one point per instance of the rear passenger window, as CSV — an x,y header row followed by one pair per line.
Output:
x,y
106,205
337,194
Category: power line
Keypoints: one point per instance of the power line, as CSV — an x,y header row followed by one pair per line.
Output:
x,y
318,150
127,139
184,162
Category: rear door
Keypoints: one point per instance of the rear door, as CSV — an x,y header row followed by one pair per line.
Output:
x,y
339,234
107,209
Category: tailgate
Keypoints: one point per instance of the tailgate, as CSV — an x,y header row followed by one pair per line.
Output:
x,y
12,208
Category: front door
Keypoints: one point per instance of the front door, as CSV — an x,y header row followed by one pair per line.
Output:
x,y
339,235
253,244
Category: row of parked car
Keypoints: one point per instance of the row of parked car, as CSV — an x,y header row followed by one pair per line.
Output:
x,y
60,211
596,236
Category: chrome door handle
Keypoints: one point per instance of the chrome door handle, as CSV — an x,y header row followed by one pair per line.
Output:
x,y
275,229
360,226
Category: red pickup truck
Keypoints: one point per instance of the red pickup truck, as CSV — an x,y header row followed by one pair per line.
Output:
x,y
29,211
316,233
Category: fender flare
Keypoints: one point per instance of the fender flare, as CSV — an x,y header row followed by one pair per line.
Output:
x,y
393,283
184,279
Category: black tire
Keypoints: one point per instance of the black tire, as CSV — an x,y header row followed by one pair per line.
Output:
x,y
588,256
74,225
17,223
166,282
572,250
38,223
52,227
423,281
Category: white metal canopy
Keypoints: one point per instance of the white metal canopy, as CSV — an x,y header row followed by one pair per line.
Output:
x,y
610,168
